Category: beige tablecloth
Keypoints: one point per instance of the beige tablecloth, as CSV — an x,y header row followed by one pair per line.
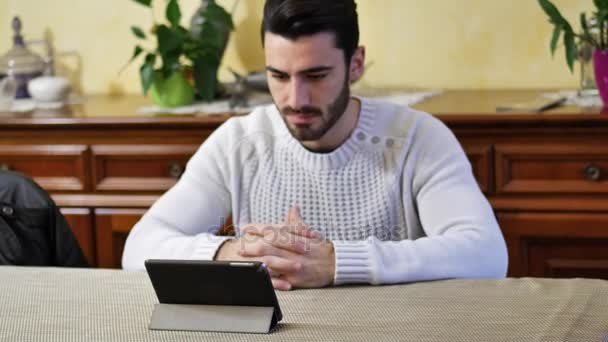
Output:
x,y
106,305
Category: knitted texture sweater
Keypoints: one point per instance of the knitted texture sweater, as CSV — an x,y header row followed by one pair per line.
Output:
x,y
397,199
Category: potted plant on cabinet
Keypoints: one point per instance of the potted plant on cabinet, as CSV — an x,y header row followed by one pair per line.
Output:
x,y
182,62
593,32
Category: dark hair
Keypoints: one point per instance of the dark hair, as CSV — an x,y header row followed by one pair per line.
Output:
x,y
296,18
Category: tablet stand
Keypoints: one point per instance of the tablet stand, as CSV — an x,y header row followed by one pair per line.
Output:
x,y
223,318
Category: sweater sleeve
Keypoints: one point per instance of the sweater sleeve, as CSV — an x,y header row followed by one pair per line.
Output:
x,y
462,239
183,222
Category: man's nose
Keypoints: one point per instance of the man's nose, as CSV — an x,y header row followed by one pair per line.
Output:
x,y
299,94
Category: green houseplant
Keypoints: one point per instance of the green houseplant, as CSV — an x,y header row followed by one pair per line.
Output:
x,y
180,57
593,32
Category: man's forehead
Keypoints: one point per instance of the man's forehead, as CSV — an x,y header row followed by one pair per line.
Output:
x,y
301,53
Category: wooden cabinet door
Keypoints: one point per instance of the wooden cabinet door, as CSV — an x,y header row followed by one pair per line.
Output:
x,y
81,223
112,228
482,159
556,245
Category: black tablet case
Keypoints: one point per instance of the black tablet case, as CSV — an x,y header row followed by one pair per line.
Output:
x,y
213,296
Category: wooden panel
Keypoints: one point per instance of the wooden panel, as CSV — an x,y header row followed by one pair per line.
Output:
x,y
556,244
81,223
54,167
149,168
105,200
576,268
112,228
481,158
552,168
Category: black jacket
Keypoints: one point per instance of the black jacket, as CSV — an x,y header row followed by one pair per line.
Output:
x,y
33,232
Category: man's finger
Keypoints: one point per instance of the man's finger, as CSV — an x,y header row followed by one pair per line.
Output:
x,y
289,242
265,246
258,229
277,265
303,230
280,284
296,229
293,216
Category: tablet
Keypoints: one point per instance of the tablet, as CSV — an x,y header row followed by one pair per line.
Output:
x,y
213,283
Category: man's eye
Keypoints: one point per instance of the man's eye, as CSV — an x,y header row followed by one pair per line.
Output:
x,y
280,77
317,76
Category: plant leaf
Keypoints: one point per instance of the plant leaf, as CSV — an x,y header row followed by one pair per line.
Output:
x,y
173,13
138,32
554,15
555,39
138,50
218,16
586,36
147,3
601,4
571,50
146,73
211,36
170,40
170,64
171,47
205,77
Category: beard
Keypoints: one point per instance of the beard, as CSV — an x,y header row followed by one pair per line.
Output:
x,y
334,112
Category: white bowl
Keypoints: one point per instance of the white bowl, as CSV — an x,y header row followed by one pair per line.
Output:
x,y
49,88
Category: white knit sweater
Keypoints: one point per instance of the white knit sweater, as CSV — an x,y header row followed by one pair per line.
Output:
x,y
398,199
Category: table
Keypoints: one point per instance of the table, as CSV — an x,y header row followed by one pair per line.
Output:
x,y
38,304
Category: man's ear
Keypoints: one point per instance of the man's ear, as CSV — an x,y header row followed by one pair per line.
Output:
x,y
357,64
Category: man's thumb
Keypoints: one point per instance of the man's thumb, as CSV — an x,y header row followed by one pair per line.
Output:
x,y
293,216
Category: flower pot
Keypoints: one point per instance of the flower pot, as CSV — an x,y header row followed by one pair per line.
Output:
x,y
174,91
600,63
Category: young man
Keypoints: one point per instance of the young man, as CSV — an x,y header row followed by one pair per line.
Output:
x,y
323,187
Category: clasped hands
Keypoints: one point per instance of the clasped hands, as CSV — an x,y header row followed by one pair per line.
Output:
x,y
294,254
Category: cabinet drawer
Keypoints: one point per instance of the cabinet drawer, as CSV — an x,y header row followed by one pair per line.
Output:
x,y
481,159
149,168
557,245
568,169
54,167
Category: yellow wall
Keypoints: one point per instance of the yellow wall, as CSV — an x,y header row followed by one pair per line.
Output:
x,y
418,43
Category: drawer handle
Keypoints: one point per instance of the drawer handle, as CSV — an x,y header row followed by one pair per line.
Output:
x,y
4,167
176,170
593,173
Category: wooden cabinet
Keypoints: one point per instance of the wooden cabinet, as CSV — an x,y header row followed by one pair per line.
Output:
x,y
112,229
81,223
546,175
481,158
556,244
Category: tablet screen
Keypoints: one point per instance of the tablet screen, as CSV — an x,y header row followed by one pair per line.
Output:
x,y
212,283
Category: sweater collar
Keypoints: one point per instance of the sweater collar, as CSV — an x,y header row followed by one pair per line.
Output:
x,y
341,155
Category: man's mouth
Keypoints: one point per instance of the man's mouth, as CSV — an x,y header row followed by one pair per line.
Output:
x,y
301,119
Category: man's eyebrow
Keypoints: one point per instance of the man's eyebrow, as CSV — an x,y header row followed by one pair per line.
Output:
x,y
316,69
276,71
305,71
